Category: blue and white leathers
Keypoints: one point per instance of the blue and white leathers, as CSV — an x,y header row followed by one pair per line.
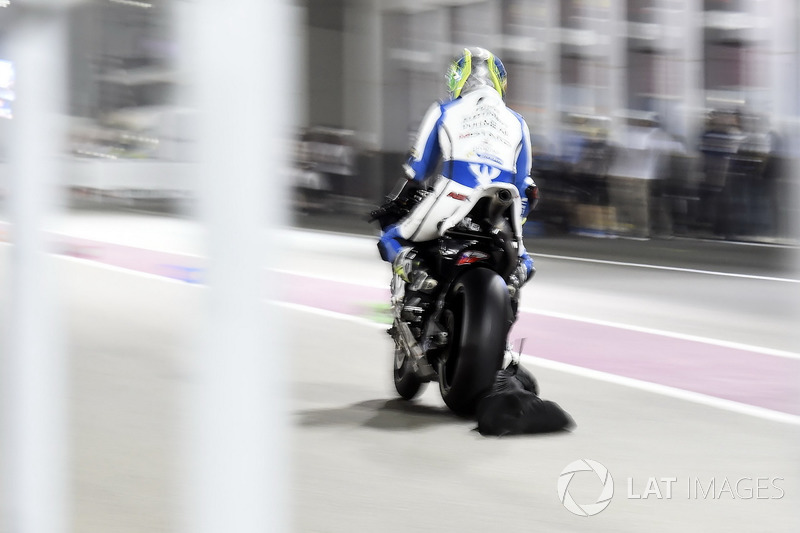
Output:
x,y
479,142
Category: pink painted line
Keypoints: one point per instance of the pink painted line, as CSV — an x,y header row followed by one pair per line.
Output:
x,y
739,375
340,297
734,374
167,264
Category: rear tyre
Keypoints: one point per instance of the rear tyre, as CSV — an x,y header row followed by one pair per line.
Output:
x,y
477,317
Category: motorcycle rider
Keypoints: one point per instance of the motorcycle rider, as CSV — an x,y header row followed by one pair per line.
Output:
x,y
477,139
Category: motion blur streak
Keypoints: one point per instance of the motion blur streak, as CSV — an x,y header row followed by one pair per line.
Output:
x,y
238,425
34,368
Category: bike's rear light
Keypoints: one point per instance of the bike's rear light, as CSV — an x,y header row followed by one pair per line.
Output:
x,y
471,256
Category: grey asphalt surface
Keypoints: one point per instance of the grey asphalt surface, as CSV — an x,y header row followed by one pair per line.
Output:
x,y
751,257
366,461
363,461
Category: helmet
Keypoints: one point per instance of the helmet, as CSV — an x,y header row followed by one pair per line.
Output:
x,y
476,68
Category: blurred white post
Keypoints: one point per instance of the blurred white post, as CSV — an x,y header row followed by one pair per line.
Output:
x,y
552,78
34,429
236,441
783,60
362,70
618,60
692,92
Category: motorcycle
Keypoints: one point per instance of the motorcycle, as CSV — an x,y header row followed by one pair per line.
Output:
x,y
451,320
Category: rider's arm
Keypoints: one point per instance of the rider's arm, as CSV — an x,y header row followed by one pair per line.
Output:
x,y
426,151
524,182
523,165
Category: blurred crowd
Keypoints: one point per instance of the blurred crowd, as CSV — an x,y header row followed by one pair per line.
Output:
x,y
729,183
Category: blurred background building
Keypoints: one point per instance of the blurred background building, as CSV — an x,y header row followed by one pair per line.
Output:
x,y
649,117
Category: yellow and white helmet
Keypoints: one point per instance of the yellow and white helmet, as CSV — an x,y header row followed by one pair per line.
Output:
x,y
477,67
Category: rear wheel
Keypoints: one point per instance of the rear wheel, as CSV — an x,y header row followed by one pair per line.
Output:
x,y
477,319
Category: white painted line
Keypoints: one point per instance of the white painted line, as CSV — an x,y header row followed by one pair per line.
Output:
x,y
739,243
331,314
664,333
646,386
681,394
664,390
564,316
673,269
605,323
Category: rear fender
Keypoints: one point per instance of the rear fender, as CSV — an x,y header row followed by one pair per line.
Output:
x,y
481,192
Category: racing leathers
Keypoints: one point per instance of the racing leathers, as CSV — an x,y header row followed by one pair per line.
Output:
x,y
478,140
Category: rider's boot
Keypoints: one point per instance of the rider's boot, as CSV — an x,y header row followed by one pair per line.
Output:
x,y
522,274
412,285
402,268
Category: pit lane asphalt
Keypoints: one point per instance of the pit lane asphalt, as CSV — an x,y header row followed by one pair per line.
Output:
x,y
363,461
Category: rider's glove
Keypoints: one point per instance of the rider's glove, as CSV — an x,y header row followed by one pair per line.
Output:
x,y
532,194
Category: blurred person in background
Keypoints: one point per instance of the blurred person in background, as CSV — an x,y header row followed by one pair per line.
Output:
x,y
719,145
586,156
475,138
752,176
590,171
